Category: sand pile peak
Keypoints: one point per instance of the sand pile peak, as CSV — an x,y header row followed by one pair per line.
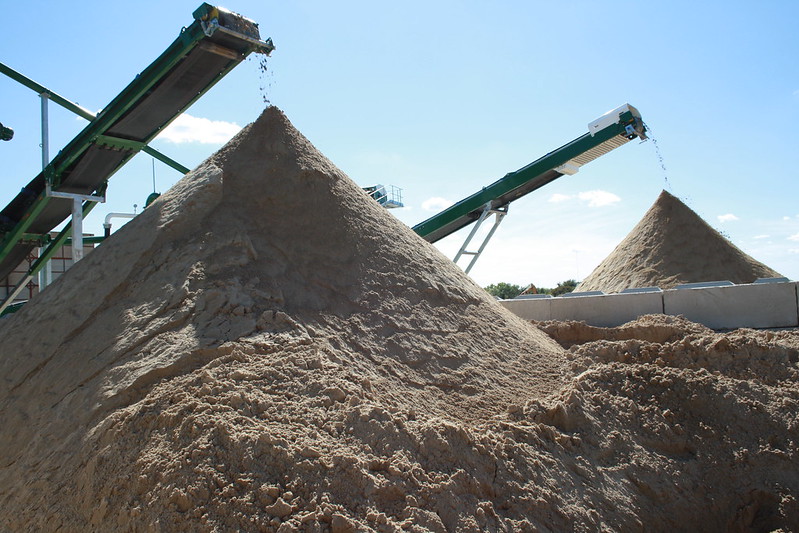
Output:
x,y
261,323
670,245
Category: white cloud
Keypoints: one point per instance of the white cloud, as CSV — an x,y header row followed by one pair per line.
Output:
x,y
558,197
761,236
729,217
189,129
786,218
593,198
435,204
598,198
794,237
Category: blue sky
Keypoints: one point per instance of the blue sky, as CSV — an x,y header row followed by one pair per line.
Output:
x,y
443,98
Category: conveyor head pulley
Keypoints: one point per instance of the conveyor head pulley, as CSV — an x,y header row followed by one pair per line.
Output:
x,y
214,18
634,128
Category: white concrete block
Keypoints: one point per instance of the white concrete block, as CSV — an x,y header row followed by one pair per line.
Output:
x,y
607,310
532,309
762,305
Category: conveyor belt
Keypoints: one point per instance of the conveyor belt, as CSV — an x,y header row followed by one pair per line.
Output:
x,y
203,53
610,131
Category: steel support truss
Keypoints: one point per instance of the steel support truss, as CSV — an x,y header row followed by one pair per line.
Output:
x,y
499,214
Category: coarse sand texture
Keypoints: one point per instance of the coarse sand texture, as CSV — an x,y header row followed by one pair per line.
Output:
x,y
669,246
270,282
266,349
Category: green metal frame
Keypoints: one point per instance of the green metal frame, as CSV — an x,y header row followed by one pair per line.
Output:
x,y
12,308
44,240
54,245
82,112
516,184
14,236
59,241
122,103
125,101
41,89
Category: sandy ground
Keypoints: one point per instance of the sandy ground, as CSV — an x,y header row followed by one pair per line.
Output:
x,y
671,245
266,349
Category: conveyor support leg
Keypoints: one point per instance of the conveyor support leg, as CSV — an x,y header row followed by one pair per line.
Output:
x,y
499,213
77,217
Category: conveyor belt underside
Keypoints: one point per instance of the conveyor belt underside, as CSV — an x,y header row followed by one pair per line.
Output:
x,y
139,120
525,180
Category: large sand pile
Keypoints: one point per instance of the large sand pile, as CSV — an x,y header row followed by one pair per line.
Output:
x,y
264,323
671,245
266,349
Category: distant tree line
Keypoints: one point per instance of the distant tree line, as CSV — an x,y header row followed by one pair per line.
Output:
x,y
506,291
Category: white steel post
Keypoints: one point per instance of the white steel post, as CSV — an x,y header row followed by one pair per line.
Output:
x,y
77,216
44,274
45,131
77,230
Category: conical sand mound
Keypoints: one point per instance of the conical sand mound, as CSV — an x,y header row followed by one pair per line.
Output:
x,y
249,349
672,245
266,349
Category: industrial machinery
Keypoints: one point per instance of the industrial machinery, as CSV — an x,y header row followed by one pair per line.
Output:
x,y
613,129
76,179
389,197
218,40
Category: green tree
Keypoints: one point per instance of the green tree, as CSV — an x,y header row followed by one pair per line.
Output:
x,y
563,287
504,290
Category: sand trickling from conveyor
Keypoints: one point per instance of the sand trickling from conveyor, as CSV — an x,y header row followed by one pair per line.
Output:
x,y
266,349
672,245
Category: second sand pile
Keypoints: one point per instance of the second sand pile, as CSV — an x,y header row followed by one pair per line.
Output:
x,y
266,349
672,245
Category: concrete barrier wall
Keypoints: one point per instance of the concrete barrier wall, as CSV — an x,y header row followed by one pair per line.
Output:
x,y
757,305
606,310
766,305
538,309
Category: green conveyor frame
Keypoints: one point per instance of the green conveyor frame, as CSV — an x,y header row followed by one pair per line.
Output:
x,y
203,53
52,96
607,133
